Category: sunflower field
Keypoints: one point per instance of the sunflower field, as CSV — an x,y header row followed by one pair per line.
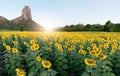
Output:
x,y
59,54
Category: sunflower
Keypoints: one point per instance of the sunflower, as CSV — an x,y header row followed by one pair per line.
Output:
x,y
48,49
112,52
73,47
82,52
14,50
4,44
60,49
8,47
65,46
70,49
20,72
95,48
90,62
101,56
114,47
25,43
88,48
15,36
119,47
93,53
81,46
106,46
32,41
50,43
35,47
99,50
93,45
90,40
38,58
100,46
15,42
46,64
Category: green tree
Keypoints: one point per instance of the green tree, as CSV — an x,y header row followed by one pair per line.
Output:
x,y
108,26
79,27
21,28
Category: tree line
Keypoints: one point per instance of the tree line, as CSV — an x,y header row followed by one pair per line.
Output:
x,y
29,25
108,27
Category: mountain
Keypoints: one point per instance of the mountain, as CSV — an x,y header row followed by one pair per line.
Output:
x,y
26,15
23,22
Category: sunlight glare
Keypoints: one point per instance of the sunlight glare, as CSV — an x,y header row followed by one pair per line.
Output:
x,y
49,23
49,28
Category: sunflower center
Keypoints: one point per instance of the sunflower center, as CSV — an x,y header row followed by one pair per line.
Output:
x,y
101,56
91,62
46,63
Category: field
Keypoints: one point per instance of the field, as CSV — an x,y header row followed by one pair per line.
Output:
x,y
59,54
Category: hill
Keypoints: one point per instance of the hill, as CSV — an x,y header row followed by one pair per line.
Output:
x,y
23,22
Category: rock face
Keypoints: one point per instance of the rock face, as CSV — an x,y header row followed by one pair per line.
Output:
x,y
26,15
3,22
2,18
23,22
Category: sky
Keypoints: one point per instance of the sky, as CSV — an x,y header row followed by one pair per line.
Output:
x,y
58,13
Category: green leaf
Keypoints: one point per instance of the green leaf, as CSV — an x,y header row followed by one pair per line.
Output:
x,y
88,69
7,66
31,63
108,74
60,58
109,63
99,62
96,73
111,74
118,65
53,73
107,68
65,60
85,74
65,66
32,68
59,64
44,73
31,74
98,68
12,67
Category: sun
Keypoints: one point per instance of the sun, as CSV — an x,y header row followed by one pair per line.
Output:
x,y
49,28
49,22
49,25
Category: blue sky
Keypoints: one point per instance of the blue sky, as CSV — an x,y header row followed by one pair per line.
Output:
x,y
58,13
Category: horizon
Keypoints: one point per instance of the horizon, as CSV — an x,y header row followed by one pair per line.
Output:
x,y
51,14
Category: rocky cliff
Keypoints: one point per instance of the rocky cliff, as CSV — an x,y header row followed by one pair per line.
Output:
x,y
26,13
23,22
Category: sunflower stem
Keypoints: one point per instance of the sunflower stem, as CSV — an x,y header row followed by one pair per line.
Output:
x,y
91,71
